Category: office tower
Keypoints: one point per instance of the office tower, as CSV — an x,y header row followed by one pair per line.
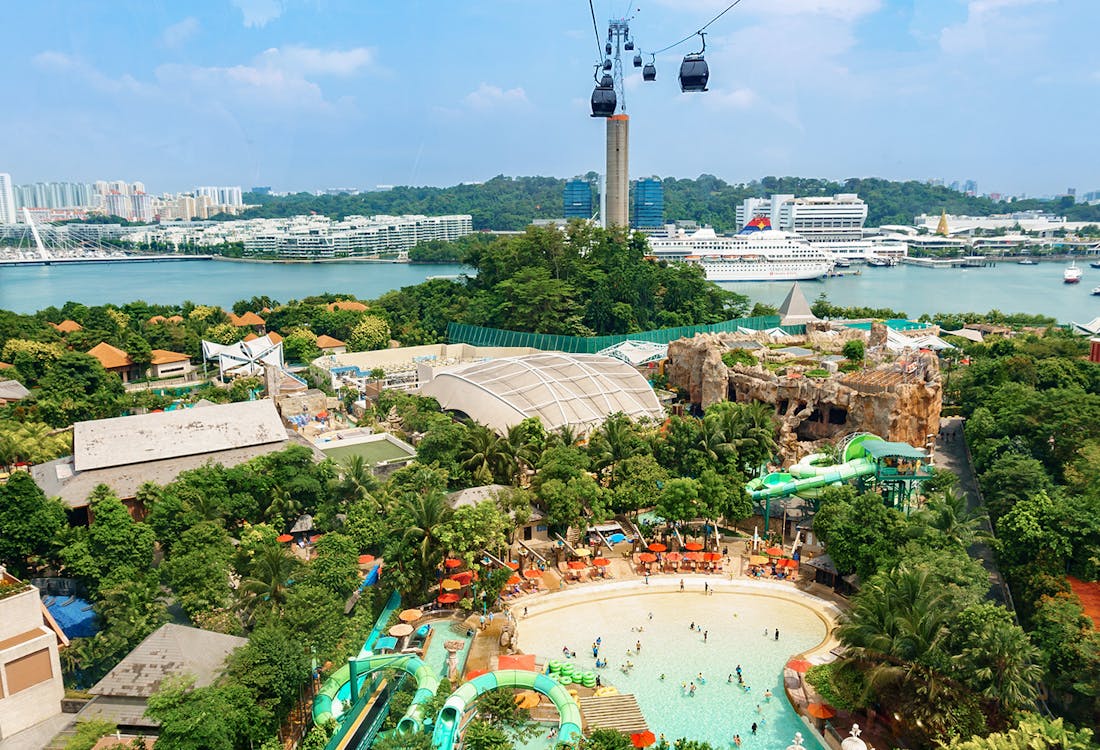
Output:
x,y
649,203
577,199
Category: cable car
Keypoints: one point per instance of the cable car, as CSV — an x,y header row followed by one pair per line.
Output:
x,y
604,100
629,45
637,61
607,64
694,71
607,48
649,72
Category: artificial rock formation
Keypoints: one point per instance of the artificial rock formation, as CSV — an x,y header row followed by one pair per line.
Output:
x,y
896,397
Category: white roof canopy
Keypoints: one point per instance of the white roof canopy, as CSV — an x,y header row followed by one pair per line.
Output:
x,y
245,357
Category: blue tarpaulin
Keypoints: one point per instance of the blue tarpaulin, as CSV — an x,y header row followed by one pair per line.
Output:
x,y
75,616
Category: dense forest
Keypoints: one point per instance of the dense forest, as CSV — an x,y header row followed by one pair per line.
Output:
x,y
510,203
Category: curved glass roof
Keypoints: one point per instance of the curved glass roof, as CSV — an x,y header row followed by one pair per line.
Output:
x,y
580,390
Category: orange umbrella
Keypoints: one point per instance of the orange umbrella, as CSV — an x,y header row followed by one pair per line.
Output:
x,y
712,556
657,547
601,562
464,577
642,739
532,573
577,565
410,615
694,556
799,665
452,562
757,559
449,585
364,559
475,673
513,581
512,564
774,551
693,546
284,538
315,538
787,563
401,629
447,598
674,557
647,557
820,711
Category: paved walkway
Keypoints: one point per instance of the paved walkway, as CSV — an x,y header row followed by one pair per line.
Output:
x,y
951,455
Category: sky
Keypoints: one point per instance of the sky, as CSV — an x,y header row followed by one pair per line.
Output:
x,y
311,94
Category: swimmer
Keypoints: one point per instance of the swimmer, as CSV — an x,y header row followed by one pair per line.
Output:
x,y
705,636
738,670
662,677
638,646
651,615
737,740
767,695
692,626
691,690
758,709
729,680
700,677
754,727
766,632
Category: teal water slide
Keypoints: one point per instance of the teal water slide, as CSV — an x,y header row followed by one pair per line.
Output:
x,y
328,703
448,723
809,476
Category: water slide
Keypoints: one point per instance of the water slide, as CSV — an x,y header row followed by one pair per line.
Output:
x,y
807,477
448,723
412,721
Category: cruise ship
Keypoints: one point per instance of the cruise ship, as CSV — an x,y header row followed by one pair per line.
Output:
x,y
756,253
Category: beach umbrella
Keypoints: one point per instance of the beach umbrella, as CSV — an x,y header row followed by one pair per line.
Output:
x,y
513,581
582,551
284,538
452,562
787,563
410,615
616,538
820,711
694,556
447,598
532,573
674,557
799,665
448,584
512,564
465,577
315,538
757,560
647,557
601,562
657,547
693,547
364,559
712,556
642,739
774,551
401,630
577,565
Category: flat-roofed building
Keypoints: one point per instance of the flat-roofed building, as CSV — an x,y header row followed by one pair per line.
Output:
x,y
125,452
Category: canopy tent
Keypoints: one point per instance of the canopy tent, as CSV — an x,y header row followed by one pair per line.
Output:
x,y
636,353
878,449
897,342
245,357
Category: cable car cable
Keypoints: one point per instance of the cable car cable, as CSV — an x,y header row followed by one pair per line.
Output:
x,y
596,29
699,31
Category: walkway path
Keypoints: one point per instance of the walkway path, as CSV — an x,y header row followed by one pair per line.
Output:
x,y
951,455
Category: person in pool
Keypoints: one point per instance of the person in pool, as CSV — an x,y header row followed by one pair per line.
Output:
x,y
729,680
737,740
767,695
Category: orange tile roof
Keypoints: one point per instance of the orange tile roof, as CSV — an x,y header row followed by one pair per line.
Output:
x,y
174,318
328,342
163,357
275,338
248,319
4,365
346,304
162,319
156,319
251,337
68,326
110,357
1089,594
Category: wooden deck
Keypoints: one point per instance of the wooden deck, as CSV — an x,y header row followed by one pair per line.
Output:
x,y
619,712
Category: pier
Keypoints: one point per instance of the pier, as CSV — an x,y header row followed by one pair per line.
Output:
x,y
101,260
968,261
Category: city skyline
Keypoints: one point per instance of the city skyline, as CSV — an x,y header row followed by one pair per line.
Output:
x,y
302,97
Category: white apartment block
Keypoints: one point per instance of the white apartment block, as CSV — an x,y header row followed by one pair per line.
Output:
x,y
826,219
309,237
225,196
7,200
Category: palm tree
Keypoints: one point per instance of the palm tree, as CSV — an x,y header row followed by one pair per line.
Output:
x,y
425,514
486,454
1003,666
947,513
615,441
750,429
268,578
356,480
713,442
283,505
524,449
565,436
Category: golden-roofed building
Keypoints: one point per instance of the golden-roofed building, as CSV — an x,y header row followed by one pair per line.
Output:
x,y
68,326
346,304
166,364
115,360
330,345
248,319
275,337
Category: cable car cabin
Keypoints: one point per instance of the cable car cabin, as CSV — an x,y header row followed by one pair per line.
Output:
x,y
694,73
637,61
649,72
607,64
607,48
629,45
604,100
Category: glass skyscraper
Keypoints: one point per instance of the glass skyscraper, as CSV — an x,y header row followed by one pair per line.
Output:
x,y
577,199
649,203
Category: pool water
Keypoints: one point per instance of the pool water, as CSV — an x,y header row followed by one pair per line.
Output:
x,y
735,624
436,655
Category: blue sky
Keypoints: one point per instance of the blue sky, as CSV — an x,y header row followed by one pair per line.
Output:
x,y
303,94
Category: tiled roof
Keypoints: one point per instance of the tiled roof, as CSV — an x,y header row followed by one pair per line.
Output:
x,y
248,319
163,357
328,342
347,304
68,326
110,357
275,338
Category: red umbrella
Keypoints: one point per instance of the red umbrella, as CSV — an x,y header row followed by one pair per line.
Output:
x,y
674,557
787,563
820,711
694,556
601,562
364,559
512,564
712,556
642,739
799,665
315,538
284,538
532,573
577,565
513,581
452,562
465,577
693,546
774,551
657,547
647,557
447,598
475,673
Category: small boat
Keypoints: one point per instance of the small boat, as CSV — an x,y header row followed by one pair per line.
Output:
x,y
1027,262
1096,292
1095,264
878,262
1072,274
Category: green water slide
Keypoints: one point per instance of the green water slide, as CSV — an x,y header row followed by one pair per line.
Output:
x,y
808,476
358,669
448,722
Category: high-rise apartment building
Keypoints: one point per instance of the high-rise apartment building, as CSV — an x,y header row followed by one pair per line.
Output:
x,y
7,200
649,203
577,199
226,196
118,204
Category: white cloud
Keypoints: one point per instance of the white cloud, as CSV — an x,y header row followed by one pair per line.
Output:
x,y
59,62
487,97
310,61
178,33
739,98
259,13
985,20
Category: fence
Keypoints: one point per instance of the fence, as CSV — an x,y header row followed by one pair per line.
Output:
x,y
459,333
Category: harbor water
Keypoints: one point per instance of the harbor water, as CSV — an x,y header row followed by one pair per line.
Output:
x,y
1007,287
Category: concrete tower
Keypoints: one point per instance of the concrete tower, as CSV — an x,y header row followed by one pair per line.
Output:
x,y
617,212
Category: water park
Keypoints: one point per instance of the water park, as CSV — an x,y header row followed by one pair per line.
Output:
x,y
697,633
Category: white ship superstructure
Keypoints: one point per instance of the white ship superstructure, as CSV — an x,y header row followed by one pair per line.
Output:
x,y
757,253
